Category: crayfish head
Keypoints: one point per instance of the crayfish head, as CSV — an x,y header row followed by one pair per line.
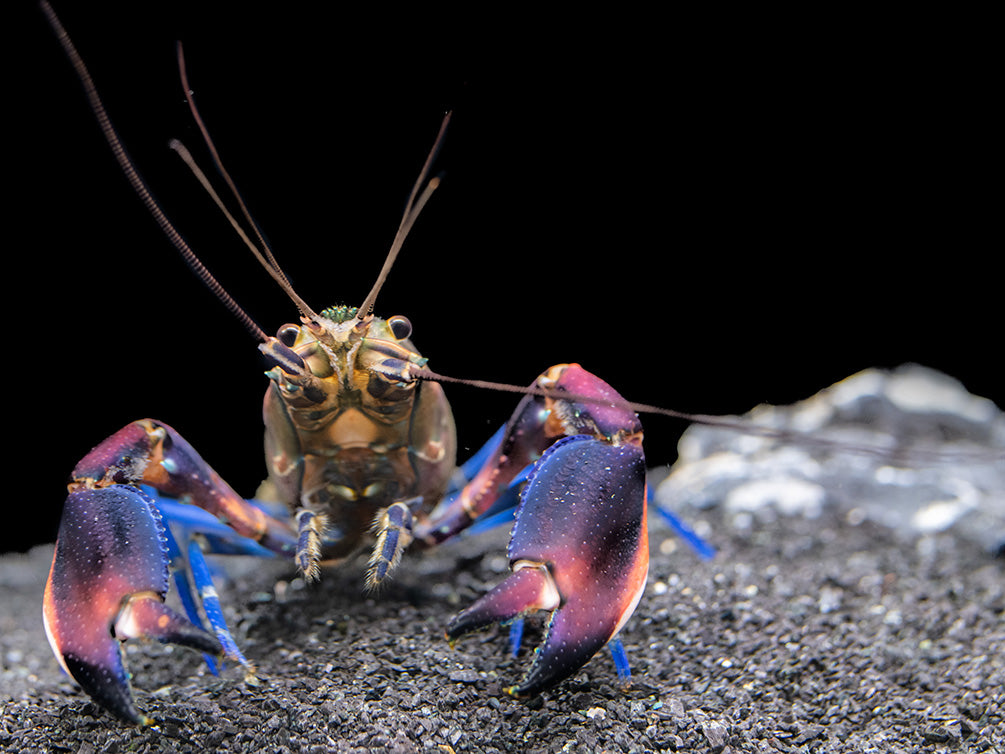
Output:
x,y
349,430
340,344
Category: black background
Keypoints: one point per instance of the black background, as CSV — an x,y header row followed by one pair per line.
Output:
x,y
708,212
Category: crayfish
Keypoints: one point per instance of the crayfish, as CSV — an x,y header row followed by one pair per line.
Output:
x,y
360,450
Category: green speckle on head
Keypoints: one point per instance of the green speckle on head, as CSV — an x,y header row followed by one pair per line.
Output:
x,y
339,313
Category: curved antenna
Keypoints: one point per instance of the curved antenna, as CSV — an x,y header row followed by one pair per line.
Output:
x,y
416,201
262,251
736,424
139,186
182,151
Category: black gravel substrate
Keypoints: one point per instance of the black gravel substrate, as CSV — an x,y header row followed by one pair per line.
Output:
x,y
801,636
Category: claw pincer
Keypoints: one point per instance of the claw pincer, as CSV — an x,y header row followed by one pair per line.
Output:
x,y
107,583
114,555
579,547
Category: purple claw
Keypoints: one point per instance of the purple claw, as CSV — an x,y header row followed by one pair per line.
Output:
x,y
579,548
107,583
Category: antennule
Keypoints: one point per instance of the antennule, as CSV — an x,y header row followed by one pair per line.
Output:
x,y
262,251
416,201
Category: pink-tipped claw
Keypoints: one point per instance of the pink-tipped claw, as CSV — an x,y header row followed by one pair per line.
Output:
x,y
107,584
579,548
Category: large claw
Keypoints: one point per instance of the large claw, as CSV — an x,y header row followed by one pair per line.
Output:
x,y
107,583
579,548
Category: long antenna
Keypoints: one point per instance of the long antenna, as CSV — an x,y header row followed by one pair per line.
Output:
x,y
139,186
735,424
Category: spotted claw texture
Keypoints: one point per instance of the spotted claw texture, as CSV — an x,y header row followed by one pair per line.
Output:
x,y
107,583
579,549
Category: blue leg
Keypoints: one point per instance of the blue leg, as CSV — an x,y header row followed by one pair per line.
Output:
x,y
515,635
620,657
211,604
187,520
179,573
479,459
703,549
503,510
192,573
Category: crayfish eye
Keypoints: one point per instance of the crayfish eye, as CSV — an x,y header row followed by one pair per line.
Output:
x,y
401,328
287,335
